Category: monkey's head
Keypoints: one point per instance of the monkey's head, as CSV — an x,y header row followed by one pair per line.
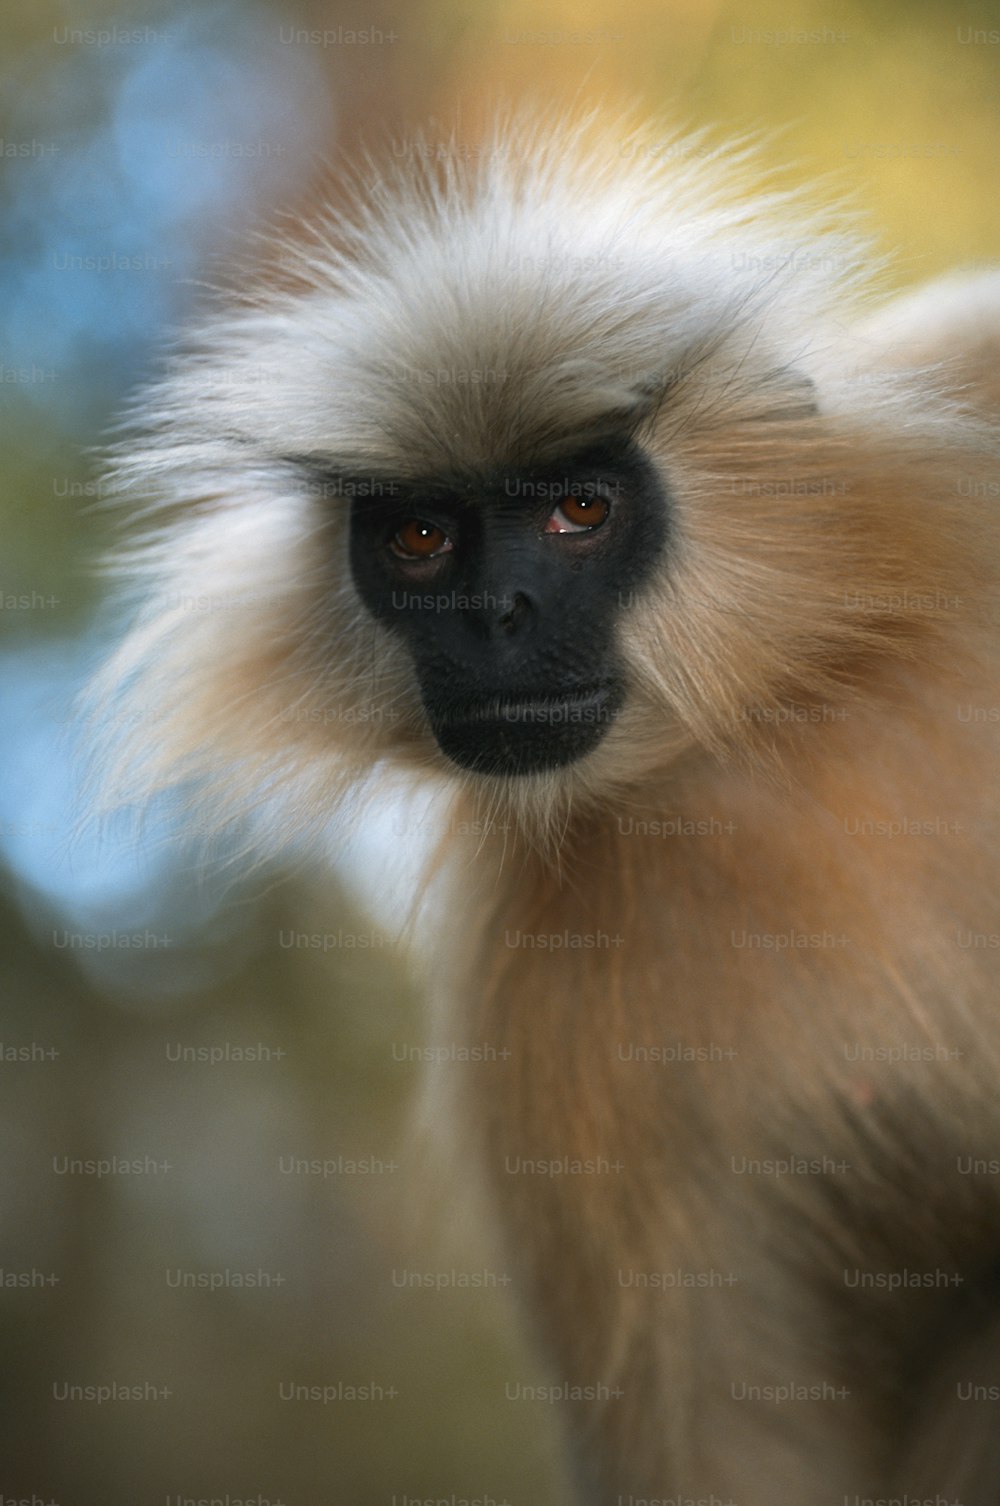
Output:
x,y
548,468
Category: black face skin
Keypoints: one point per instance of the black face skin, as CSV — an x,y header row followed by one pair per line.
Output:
x,y
506,589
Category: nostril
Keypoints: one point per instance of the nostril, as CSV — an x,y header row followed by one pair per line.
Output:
x,y
511,619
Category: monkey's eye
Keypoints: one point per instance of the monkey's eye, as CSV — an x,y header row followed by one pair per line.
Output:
x,y
420,540
578,515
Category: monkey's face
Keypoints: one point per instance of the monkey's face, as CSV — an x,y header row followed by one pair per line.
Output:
x,y
506,590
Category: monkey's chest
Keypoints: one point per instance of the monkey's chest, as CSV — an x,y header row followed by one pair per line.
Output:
x,y
708,1030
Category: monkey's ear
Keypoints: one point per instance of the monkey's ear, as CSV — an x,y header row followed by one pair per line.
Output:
x,y
786,394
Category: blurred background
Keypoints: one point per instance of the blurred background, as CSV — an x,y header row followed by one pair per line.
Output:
x,y
212,1282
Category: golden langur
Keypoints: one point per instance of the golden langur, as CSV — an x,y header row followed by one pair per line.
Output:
x,y
575,478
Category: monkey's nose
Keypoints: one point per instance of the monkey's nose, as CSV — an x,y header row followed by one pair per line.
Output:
x,y
516,614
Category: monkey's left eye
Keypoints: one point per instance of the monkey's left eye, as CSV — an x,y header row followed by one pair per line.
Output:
x,y
420,540
578,515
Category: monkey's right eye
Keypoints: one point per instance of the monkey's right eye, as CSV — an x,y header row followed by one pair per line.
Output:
x,y
420,540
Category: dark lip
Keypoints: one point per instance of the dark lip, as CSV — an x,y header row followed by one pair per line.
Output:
x,y
511,708
513,735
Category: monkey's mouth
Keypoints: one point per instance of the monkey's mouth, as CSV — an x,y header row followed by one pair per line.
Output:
x,y
515,735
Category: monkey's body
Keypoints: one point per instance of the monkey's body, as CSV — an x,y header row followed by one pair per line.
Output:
x,y
741,938
805,1072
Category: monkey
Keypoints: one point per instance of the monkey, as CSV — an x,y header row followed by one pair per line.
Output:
x,y
605,490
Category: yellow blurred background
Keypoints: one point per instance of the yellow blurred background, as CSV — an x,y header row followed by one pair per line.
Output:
x,y
173,1267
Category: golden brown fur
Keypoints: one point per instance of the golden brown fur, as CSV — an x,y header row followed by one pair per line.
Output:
x,y
804,931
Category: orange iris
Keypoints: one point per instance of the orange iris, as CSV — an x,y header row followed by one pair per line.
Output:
x,y
420,540
577,513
